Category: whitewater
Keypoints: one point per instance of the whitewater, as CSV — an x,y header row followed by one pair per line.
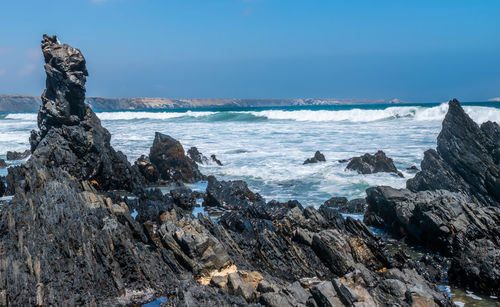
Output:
x,y
267,146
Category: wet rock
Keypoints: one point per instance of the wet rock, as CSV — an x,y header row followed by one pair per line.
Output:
x,y
173,165
15,155
3,164
147,169
369,164
318,157
353,206
412,169
229,194
336,202
2,186
183,197
217,161
197,156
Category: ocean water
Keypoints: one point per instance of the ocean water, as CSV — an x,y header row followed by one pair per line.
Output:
x,y
267,146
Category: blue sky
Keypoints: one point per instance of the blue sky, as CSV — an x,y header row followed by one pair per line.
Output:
x,y
411,50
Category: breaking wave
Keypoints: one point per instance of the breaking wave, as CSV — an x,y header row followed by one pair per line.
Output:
x,y
480,114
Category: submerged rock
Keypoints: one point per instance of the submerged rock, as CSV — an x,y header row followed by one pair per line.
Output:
x,y
217,161
451,206
197,156
14,155
173,165
3,164
318,157
369,164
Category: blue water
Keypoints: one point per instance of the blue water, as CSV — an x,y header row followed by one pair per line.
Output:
x,y
266,146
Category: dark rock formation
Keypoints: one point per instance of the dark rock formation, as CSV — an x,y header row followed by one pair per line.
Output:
x,y
172,163
368,164
451,206
217,161
318,157
229,194
197,156
412,169
14,155
3,164
353,206
147,169
2,186
71,136
466,160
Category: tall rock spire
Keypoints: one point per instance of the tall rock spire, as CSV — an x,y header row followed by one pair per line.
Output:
x,y
63,101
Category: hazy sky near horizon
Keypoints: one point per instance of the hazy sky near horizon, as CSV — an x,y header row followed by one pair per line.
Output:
x,y
411,50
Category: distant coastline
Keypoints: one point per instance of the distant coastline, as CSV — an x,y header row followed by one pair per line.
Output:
x,y
29,103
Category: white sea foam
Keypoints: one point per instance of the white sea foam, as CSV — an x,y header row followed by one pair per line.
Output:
x,y
22,116
478,114
131,115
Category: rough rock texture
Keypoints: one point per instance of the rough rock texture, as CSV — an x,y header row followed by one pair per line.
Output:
x,y
3,164
2,186
14,155
318,157
197,156
71,136
368,164
467,159
357,205
147,169
172,163
229,194
451,206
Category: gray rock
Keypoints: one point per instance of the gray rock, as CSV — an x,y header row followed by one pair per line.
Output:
x,y
318,157
369,164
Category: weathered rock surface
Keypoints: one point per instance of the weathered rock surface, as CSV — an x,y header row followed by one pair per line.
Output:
x,y
229,194
147,169
71,136
197,156
318,157
451,206
353,206
369,164
2,186
14,155
167,154
467,159
3,164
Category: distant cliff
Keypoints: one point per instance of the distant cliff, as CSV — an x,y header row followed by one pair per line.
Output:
x,y
26,103
19,103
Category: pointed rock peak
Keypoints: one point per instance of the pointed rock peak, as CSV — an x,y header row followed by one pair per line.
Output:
x,y
63,101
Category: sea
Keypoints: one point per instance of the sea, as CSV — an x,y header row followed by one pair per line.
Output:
x,y
266,146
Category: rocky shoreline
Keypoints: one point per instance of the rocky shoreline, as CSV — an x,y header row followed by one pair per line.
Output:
x,y
72,236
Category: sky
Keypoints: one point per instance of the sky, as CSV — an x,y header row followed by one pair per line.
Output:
x,y
419,51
